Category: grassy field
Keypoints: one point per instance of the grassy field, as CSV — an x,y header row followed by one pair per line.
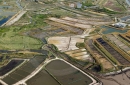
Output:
x,y
112,5
10,39
61,13
15,37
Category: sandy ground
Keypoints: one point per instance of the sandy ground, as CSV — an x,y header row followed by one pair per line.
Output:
x,y
80,54
15,18
108,82
119,79
93,19
65,43
75,54
85,58
68,44
75,24
61,43
105,63
73,41
91,22
78,50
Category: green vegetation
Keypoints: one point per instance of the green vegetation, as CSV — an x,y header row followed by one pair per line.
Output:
x,y
58,12
88,3
2,17
1,1
71,59
49,1
107,11
122,3
5,58
80,45
38,21
76,61
95,31
12,37
123,40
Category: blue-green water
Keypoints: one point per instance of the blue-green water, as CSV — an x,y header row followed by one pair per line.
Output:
x,y
4,20
110,30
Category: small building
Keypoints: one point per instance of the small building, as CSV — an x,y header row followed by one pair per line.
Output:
x,y
79,5
119,25
72,5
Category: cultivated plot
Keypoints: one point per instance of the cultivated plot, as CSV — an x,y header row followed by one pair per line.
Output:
x,y
100,58
24,70
42,78
10,66
80,54
113,52
66,74
118,43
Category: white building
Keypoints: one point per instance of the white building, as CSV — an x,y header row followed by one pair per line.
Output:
x,y
119,25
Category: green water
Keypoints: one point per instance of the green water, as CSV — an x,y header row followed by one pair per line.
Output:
x,y
42,78
110,30
66,74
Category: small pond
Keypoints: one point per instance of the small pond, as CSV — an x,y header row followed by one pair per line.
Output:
x,y
107,30
4,20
